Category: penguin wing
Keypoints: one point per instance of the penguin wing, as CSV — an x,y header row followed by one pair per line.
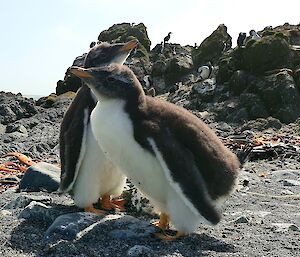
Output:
x,y
72,136
180,166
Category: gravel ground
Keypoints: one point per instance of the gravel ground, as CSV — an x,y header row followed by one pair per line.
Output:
x,y
262,218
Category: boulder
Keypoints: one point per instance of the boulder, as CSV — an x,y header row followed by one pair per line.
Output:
x,y
212,48
280,96
41,176
123,32
268,53
177,67
15,107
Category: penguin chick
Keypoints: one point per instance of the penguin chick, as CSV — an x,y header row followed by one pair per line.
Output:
x,y
174,158
86,173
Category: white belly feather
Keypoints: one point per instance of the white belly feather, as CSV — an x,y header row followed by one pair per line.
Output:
x,y
113,130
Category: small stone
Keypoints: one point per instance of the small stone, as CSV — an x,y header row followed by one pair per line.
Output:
x,y
5,213
291,182
24,200
293,227
37,211
287,192
68,226
281,227
241,220
41,176
139,250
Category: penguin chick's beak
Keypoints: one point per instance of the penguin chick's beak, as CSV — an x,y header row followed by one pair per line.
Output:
x,y
129,46
81,72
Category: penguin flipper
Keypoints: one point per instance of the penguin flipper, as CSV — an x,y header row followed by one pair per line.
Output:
x,y
72,136
183,172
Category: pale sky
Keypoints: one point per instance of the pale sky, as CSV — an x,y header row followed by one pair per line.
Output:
x,y
40,38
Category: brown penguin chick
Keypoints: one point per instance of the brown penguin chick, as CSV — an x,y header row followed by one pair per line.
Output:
x,y
173,157
85,171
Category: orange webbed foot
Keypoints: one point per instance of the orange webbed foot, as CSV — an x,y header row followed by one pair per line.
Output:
x,y
163,222
166,237
108,204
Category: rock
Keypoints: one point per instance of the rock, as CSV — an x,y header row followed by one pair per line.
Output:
x,y
128,227
15,107
291,182
41,176
242,220
123,32
140,250
68,226
268,53
205,90
16,128
177,67
38,211
280,96
73,226
24,200
281,227
261,124
4,213
212,47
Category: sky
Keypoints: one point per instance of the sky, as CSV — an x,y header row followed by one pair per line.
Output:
x,y
41,38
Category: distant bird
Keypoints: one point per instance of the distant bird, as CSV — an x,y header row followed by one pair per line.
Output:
x,y
162,47
254,35
85,171
174,158
241,39
205,71
167,38
92,44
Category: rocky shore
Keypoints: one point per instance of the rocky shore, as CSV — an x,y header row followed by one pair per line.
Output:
x,y
252,97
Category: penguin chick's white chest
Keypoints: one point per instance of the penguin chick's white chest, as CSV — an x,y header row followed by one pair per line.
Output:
x,y
113,130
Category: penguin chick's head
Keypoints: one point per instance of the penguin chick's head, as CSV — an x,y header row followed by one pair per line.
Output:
x,y
113,81
105,53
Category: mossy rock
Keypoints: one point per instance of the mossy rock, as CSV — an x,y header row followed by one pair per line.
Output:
x,y
177,67
123,32
70,83
212,47
268,53
281,96
158,68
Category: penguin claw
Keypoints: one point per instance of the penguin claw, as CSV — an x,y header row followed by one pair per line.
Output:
x,y
94,210
166,237
120,204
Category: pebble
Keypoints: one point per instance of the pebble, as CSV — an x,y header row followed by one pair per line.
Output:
x,y
37,211
291,182
5,213
140,250
287,192
24,200
242,219
41,176
281,227
68,226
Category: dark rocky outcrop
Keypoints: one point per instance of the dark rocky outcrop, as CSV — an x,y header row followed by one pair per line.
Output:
x,y
15,107
248,82
212,48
